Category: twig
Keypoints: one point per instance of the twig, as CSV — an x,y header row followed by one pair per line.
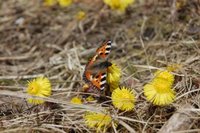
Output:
x,y
131,130
180,121
20,77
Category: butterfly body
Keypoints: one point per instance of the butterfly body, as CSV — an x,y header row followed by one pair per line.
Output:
x,y
96,69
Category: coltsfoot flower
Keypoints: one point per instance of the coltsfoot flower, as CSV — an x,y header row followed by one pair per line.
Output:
x,y
40,87
159,91
49,2
76,100
81,15
174,67
159,96
123,99
120,5
90,98
62,3
113,76
164,74
99,121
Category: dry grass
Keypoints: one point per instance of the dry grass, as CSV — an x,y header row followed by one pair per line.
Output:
x,y
37,40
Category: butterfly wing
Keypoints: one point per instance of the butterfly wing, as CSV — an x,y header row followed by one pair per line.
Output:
x,y
99,80
96,70
104,49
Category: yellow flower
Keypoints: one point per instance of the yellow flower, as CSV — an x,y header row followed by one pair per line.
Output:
x,y
64,3
159,96
90,98
40,87
80,15
164,74
114,73
161,83
159,90
180,4
113,76
123,99
174,67
76,100
120,5
49,2
98,120
113,86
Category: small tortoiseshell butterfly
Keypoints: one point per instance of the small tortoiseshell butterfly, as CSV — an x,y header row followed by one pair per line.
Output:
x,y
96,69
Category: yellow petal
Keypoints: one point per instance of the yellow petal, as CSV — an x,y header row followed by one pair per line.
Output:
x,y
174,67
113,76
98,121
159,96
123,99
64,3
120,5
76,100
90,98
80,15
164,74
49,2
40,87
161,84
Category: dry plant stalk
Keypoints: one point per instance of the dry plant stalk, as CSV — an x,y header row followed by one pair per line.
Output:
x,y
181,120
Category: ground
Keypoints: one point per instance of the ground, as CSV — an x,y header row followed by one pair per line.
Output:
x,y
39,40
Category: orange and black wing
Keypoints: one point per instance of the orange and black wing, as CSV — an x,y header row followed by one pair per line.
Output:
x,y
96,70
104,50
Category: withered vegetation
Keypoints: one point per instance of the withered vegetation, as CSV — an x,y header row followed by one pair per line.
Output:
x,y
37,40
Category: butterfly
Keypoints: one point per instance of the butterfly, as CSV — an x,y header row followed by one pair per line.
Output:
x,y
96,69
